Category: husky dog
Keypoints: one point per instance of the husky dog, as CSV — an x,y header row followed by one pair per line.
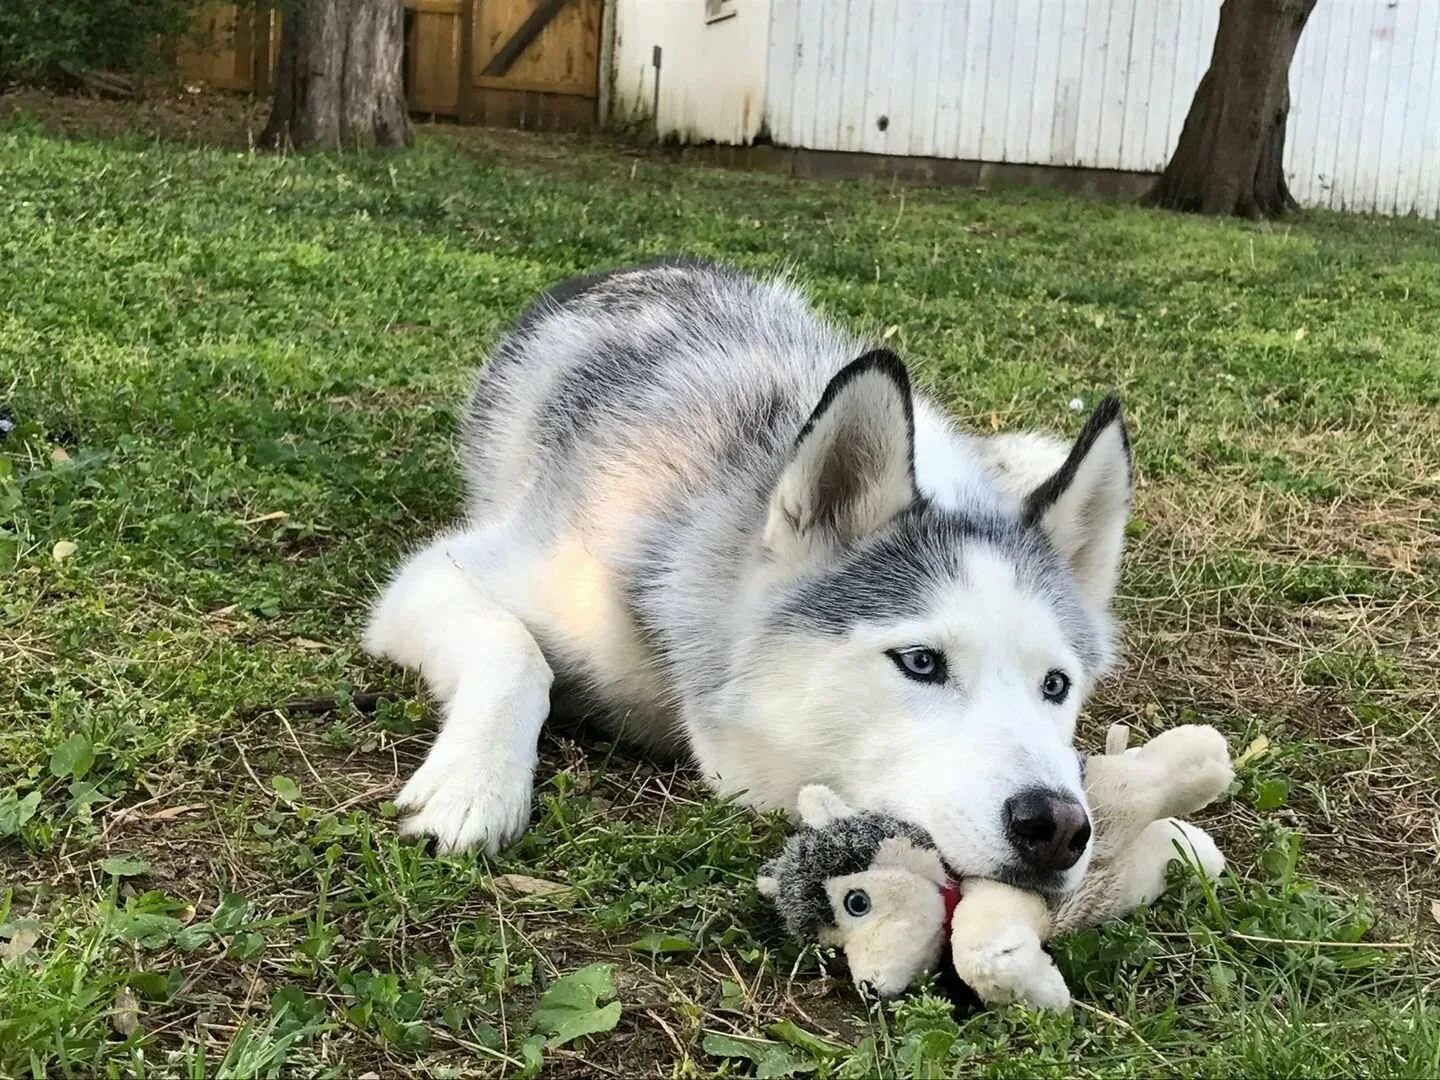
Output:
x,y
722,526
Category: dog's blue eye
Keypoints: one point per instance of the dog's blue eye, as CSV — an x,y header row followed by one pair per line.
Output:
x,y
920,664
857,903
1056,686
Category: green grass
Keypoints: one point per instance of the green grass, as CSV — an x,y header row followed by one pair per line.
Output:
x,y
235,381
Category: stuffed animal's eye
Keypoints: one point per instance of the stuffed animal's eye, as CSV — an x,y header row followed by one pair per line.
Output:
x,y
920,664
1056,686
857,903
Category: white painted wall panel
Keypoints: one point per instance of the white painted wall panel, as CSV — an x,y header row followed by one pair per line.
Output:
x,y
1093,48
968,137
1017,75
1422,118
1365,108
1064,140
712,77
825,121
1092,83
1106,84
1045,86
852,90
783,72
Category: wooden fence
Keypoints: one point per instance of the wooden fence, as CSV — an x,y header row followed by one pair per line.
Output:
x,y
516,63
232,47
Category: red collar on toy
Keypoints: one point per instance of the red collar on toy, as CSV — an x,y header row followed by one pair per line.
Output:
x,y
950,893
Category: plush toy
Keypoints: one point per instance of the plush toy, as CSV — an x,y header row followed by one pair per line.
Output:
x,y
878,889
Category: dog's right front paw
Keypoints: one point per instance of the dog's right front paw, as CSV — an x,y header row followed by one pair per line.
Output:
x,y
466,806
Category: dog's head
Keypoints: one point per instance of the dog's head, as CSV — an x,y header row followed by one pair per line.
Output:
x,y
931,662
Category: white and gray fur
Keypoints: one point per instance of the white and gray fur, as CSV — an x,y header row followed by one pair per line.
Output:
x,y
699,516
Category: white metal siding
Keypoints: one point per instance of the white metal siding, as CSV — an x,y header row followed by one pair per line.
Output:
x,y
1105,84
1365,107
712,74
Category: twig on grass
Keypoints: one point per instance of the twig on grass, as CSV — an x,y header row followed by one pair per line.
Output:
x,y
246,762
127,812
1322,944
301,750
355,800
1120,1021
679,1050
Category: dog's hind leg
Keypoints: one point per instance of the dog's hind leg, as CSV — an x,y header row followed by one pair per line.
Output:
x,y
480,661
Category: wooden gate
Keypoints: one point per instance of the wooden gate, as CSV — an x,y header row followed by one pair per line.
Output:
x,y
513,63
534,64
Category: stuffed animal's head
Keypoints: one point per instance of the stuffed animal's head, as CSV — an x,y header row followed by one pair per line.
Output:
x,y
866,883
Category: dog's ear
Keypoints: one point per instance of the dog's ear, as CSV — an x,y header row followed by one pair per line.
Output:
x,y
1084,505
819,806
853,467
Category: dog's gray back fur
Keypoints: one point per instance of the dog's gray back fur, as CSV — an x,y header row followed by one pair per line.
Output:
x,y
706,376
679,341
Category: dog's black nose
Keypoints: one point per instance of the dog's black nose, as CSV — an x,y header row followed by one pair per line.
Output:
x,y
1048,830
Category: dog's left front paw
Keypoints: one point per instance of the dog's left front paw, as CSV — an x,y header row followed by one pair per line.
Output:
x,y
466,799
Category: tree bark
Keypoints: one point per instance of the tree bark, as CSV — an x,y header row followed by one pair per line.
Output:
x,y
338,80
1229,159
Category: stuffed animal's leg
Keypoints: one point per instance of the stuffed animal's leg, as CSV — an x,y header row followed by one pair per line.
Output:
x,y
995,939
1136,875
1193,763
1177,772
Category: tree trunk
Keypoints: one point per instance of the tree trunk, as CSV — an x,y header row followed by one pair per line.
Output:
x,y
338,81
1229,157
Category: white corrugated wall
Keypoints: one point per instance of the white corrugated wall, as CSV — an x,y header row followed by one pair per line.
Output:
x,y
1104,84
711,82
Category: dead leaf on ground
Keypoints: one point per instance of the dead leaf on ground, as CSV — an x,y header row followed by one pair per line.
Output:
x,y
274,515
59,455
63,549
1435,910
1254,750
308,644
523,885
125,1017
172,812
20,943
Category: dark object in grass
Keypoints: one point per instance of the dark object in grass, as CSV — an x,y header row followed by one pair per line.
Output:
x,y
7,421
964,1002
322,706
